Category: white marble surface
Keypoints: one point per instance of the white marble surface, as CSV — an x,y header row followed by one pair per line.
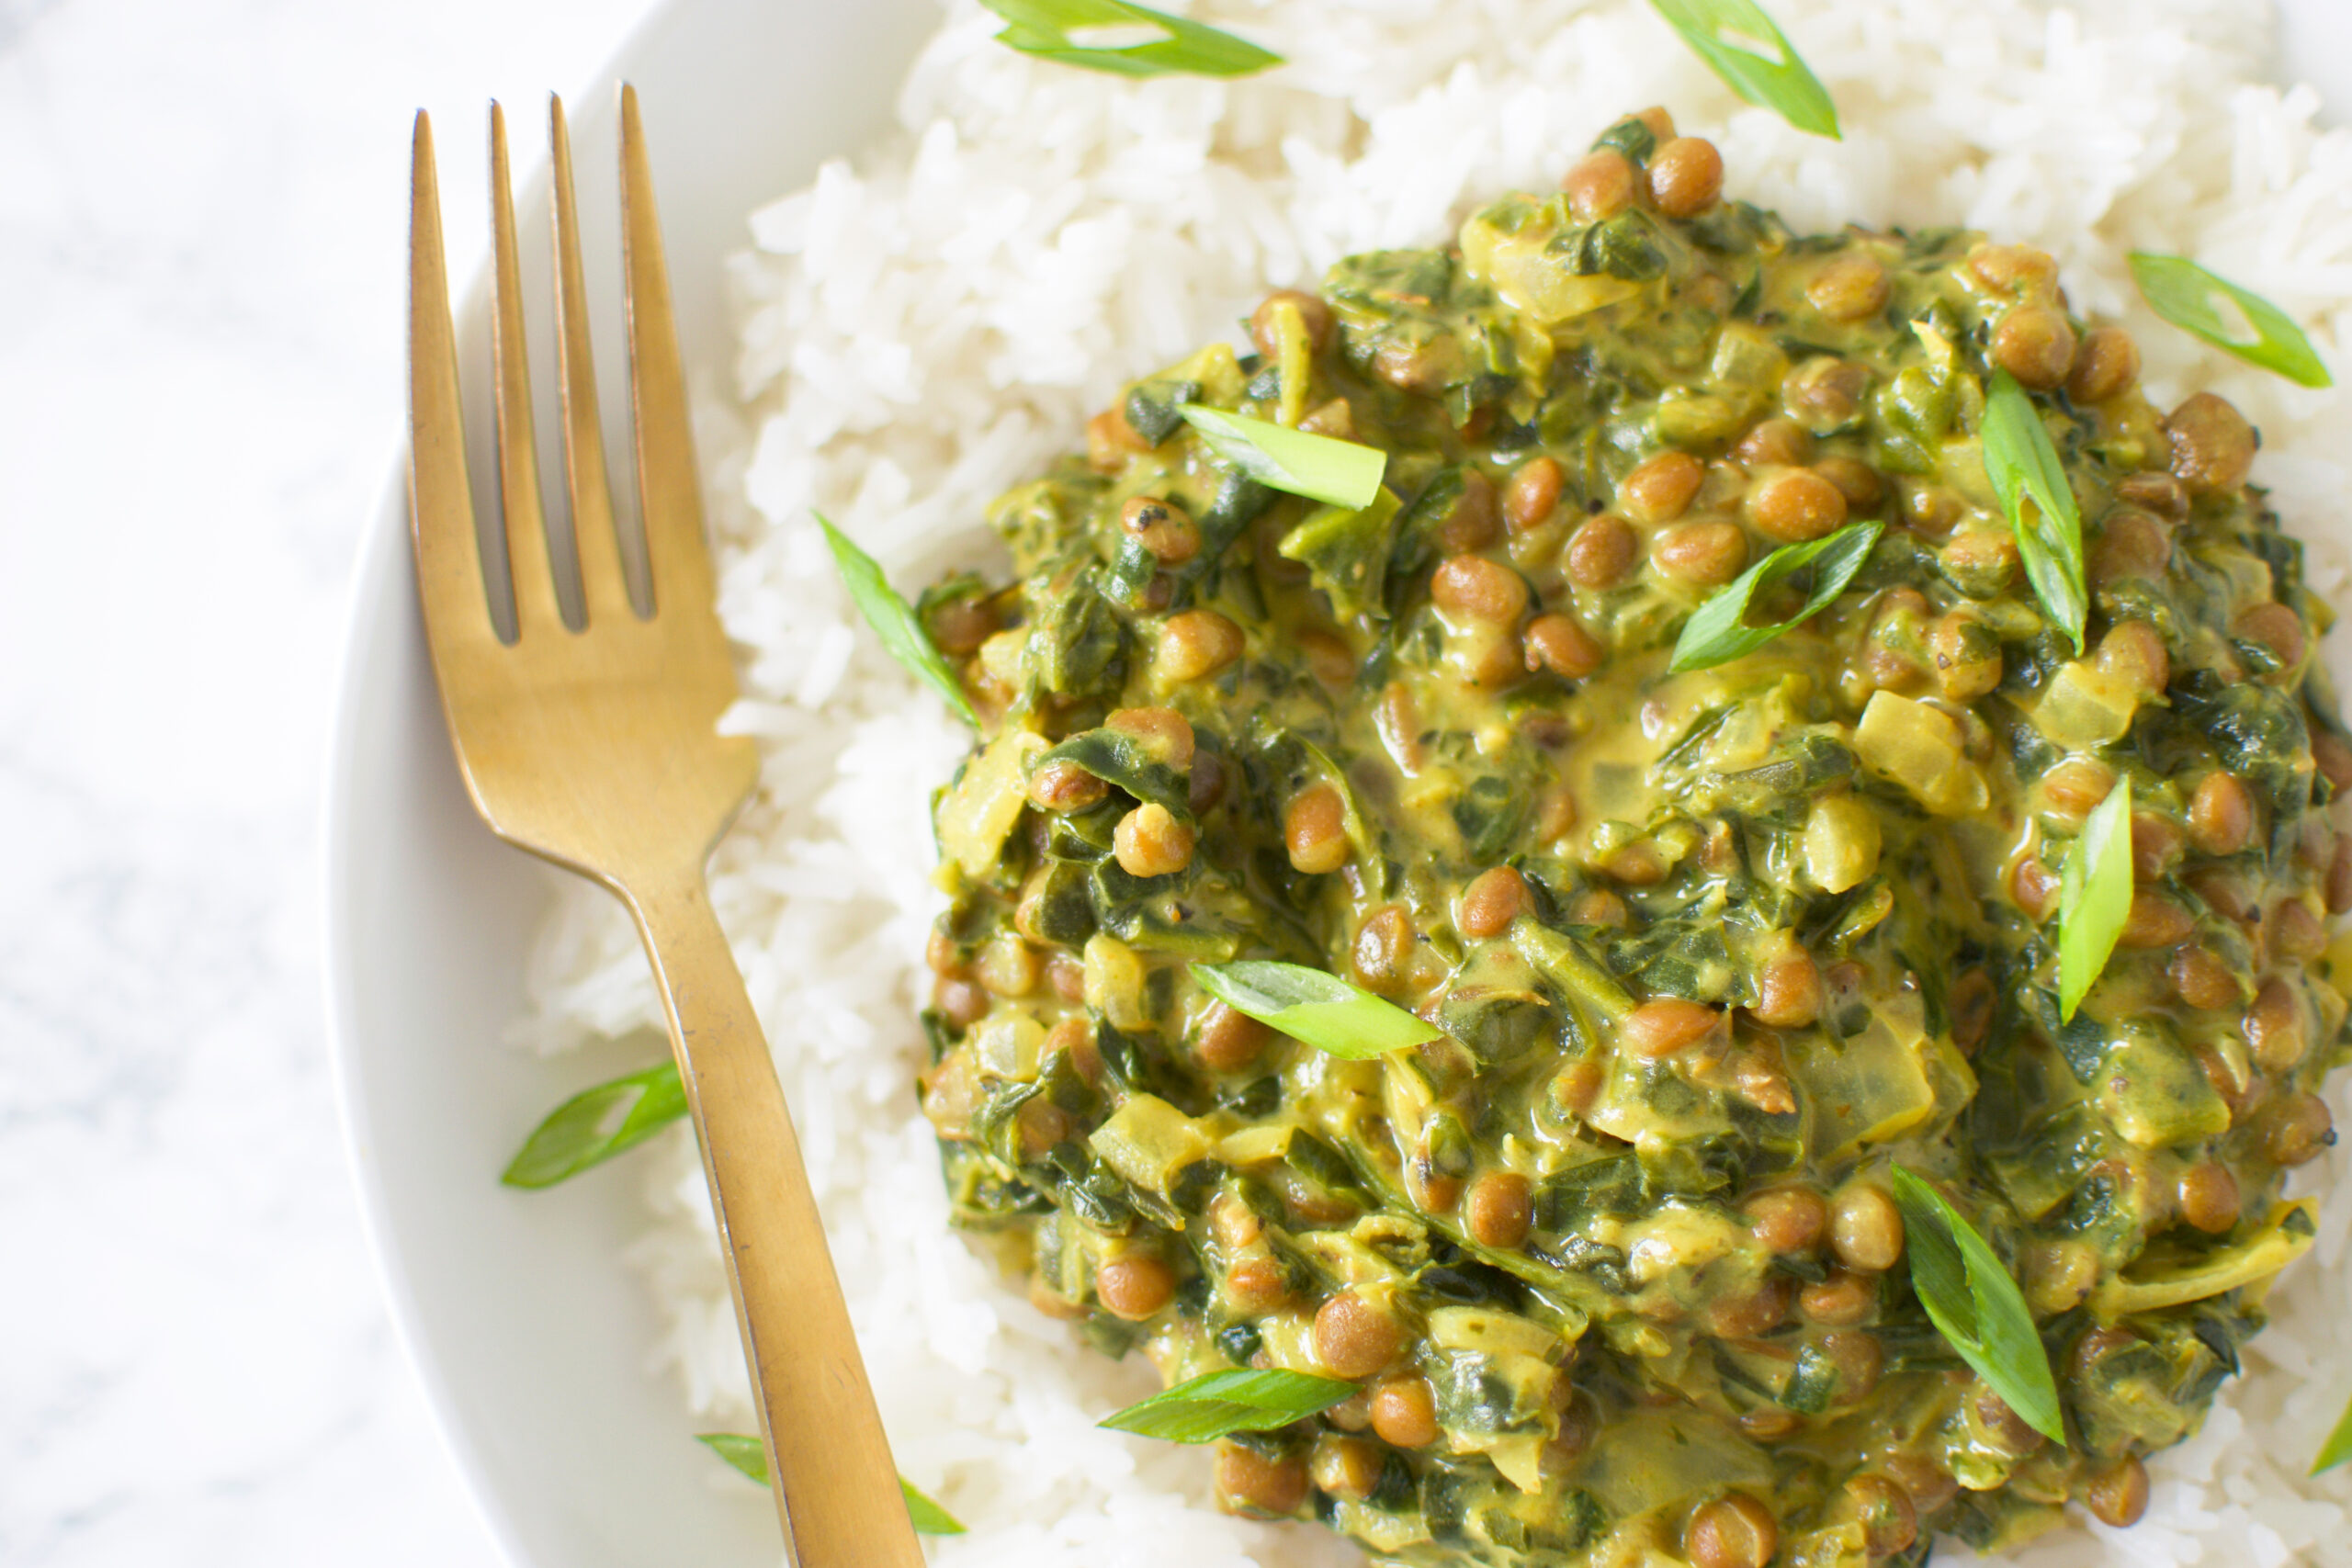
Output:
x,y
202,211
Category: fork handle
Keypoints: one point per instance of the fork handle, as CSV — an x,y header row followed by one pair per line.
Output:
x,y
836,1486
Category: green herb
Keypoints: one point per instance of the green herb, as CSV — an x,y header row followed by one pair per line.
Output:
x,y
2023,464
2338,1447
1043,28
2183,293
746,1455
1323,1010
1976,1304
1215,1404
1718,632
895,622
597,1124
1748,49
1341,472
2095,897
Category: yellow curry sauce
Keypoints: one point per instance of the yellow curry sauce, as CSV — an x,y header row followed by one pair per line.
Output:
x,y
1614,1263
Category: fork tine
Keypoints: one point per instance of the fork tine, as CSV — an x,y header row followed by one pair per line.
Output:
x,y
669,495
448,554
603,589
518,458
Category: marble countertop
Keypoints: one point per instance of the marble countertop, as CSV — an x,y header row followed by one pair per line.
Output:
x,y
202,222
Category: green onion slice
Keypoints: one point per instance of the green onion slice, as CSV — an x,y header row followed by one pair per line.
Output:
x,y
1976,1304
1210,1405
746,1454
2022,463
1748,49
597,1124
1718,632
1169,45
2338,1447
2094,897
1322,1011
894,621
1343,473
2186,295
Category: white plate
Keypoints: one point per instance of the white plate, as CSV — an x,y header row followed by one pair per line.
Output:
x,y
529,1336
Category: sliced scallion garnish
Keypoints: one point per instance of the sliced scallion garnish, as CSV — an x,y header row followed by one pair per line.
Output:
x,y
2094,896
2022,462
1319,1010
2338,1447
745,1454
2184,294
895,622
1748,49
1976,1305
597,1124
1163,45
1215,1404
1320,468
1718,632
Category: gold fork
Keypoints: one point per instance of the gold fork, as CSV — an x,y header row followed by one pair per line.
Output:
x,y
597,749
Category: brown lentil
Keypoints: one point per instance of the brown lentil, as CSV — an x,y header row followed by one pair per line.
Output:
x,y
1494,897
2298,1130
1194,643
1795,505
2212,445
1229,1041
2209,1197
1662,488
2202,979
1665,1026
1349,1468
1788,990
1149,842
2035,345
2220,814
1774,443
1532,493
1164,528
1703,554
1555,642
1865,1228
1601,552
2154,921
1500,1209
1135,1287
1065,786
1165,732
1249,1482
1843,1299
2133,652
1850,289
1735,1532
2274,629
1354,1338
1686,176
1599,184
2106,362
1478,589
1404,1412
1854,479
2118,1495
1316,314
1314,825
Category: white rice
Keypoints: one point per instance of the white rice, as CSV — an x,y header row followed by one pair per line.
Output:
x,y
925,327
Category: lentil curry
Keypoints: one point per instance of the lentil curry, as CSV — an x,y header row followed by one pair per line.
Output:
x,y
1615,1265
